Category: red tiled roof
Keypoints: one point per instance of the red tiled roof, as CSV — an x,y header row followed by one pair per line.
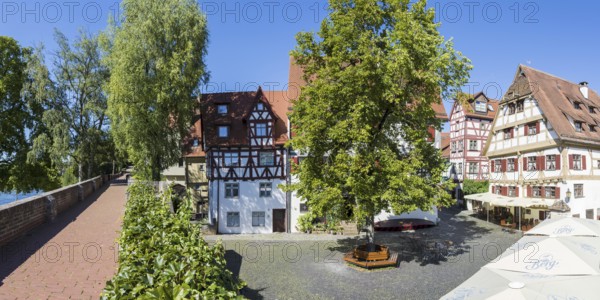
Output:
x,y
445,144
195,134
240,105
470,109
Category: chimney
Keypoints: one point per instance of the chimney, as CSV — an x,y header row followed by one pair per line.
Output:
x,y
583,87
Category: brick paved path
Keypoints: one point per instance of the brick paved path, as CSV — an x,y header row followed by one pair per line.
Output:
x,y
71,258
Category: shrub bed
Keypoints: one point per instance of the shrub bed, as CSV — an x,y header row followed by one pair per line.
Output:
x,y
163,256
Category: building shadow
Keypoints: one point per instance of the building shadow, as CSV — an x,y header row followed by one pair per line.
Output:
x,y
16,252
234,264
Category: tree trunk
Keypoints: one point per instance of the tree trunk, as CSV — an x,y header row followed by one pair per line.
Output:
x,y
371,233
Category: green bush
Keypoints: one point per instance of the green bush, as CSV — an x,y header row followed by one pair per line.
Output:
x,y
163,256
474,187
305,222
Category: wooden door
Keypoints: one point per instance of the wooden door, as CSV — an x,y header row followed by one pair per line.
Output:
x,y
279,220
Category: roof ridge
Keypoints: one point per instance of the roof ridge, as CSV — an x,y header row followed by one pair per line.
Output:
x,y
548,74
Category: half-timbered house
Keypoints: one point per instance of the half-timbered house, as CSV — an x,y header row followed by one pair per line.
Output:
x,y
544,146
244,137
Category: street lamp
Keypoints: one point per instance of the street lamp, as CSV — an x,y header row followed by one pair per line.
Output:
x,y
568,198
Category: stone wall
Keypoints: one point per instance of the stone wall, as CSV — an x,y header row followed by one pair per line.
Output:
x,y
19,217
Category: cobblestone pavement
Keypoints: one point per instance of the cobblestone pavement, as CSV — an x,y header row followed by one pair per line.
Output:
x,y
71,258
433,261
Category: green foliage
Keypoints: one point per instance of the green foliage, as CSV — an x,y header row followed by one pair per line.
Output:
x,y
74,105
20,119
156,56
163,255
305,222
474,187
373,71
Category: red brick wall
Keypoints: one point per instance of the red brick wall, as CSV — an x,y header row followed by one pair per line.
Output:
x,y
16,219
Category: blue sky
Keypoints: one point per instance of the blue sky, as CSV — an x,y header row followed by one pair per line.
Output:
x,y
250,40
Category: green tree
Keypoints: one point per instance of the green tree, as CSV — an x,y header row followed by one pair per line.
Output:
x,y
156,58
373,71
20,119
474,187
75,105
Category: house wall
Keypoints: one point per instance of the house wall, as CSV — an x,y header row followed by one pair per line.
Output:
x,y
247,202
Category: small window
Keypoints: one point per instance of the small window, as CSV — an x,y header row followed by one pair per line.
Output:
x,y
576,216
473,146
498,166
576,162
550,192
223,131
232,190
550,162
592,110
511,109
532,129
592,128
473,168
480,106
265,189
537,191
531,163
498,190
195,142
578,190
520,105
589,214
258,219
482,125
267,159
512,191
510,165
578,126
260,106
233,219
598,163
231,159
577,105
261,129
303,207
508,132
222,109
460,172
180,162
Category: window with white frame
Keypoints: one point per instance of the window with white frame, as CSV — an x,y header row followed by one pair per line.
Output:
x,y
459,169
531,163
537,191
233,219
482,125
576,162
511,109
550,162
508,133
265,189
232,190
473,145
261,129
498,190
520,105
480,106
510,165
578,126
550,192
473,167
222,109
267,159
223,131
258,219
460,145
578,190
231,159
497,165
512,191
453,148
532,129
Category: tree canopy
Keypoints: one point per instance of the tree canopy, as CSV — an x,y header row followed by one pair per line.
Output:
x,y
373,72
157,63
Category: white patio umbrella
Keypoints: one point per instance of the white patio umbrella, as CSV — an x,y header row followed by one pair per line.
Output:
x,y
500,284
566,227
551,256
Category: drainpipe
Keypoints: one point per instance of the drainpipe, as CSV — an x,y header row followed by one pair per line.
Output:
x,y
288,195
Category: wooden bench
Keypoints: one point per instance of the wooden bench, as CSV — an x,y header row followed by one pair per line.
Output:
x,y
391,261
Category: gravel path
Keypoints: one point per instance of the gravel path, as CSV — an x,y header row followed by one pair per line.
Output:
x,y
433,261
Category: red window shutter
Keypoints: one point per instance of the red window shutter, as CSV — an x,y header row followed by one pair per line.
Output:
x,y
583,162
526,129
557,193
493,189
516,165
529,191
570,161
524,163
517,191
557,161
537,127
493,167
504,191
431,131
542,165
503,165
512,132
295,159
543,192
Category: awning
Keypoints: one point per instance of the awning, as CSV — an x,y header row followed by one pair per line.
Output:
x,y
499,200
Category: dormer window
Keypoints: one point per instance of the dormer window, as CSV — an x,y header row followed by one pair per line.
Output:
x,y
260,106
511,109
578,126
592,110
592,128
222,109
195,142
223,131
577,105
480,106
